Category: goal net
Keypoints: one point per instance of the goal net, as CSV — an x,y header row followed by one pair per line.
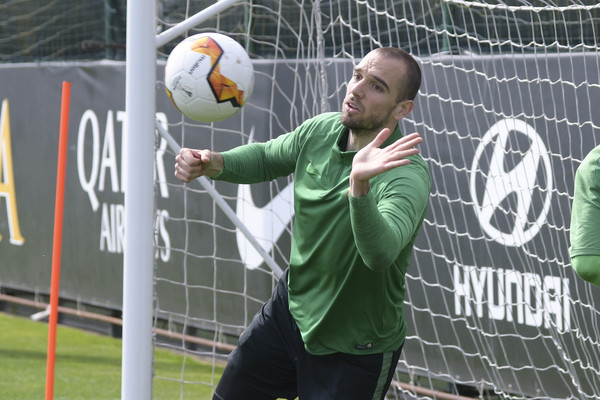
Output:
x,y
507,110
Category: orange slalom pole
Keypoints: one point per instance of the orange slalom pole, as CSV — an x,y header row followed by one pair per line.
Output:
x,y
56,249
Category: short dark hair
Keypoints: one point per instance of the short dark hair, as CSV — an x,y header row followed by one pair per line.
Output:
x,y
412,79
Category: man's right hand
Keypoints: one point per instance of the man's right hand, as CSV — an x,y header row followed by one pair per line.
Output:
x,y
190,164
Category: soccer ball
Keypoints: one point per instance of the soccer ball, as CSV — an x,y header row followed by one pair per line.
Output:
x,y
209,77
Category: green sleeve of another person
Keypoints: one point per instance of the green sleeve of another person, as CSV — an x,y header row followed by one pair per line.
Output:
x,y
585,219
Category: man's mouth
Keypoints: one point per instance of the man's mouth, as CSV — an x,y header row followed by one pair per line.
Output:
x,y
351,106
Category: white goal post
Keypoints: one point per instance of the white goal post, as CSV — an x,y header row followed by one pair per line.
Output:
x,y
138,257
507,110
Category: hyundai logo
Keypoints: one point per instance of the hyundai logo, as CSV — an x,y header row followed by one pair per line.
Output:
x,y
511,182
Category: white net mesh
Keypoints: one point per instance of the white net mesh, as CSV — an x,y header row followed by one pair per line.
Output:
x,y
507,111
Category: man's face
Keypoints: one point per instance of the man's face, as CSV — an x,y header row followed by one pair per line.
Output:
x,y
372,95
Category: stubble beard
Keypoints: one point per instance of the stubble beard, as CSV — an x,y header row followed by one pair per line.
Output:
x,y
365,125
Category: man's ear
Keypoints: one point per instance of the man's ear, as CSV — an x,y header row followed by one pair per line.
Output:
x,y
404,108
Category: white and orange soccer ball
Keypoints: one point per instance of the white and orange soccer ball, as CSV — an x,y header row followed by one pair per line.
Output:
x,y
209,77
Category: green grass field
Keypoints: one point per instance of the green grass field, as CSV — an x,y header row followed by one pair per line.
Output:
x,y
88,366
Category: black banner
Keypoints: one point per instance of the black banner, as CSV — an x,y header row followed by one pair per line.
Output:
x,y
492,296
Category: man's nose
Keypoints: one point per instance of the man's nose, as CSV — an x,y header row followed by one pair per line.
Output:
x,y
358,89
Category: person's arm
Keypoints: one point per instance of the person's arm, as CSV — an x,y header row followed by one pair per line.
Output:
x,y
383,228
585,219
250,163
588,268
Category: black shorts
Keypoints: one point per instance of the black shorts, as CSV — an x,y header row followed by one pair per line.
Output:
x,y
271,362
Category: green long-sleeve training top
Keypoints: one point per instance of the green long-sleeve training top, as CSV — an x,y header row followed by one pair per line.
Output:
x,y
349,255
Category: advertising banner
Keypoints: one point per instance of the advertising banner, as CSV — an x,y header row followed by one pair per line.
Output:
x,y
491,268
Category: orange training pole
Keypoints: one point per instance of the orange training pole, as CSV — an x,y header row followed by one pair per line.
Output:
x,y
58,221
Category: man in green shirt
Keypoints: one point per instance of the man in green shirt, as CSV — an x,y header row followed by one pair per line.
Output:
x,y
334,327
585,219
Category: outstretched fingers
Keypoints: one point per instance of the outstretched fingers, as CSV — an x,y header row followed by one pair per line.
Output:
x,y
407,142
402,148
